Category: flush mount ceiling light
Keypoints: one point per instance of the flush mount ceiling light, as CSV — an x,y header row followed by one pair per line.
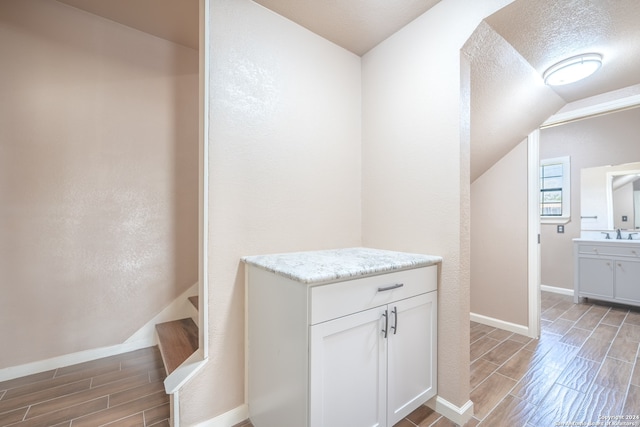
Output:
x,y
572,69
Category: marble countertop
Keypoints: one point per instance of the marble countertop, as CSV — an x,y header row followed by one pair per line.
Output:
x,y
607,241
598,235
332,265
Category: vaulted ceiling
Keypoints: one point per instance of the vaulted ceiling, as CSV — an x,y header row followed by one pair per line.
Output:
x,y
508,52
356,25
173,20
508,96
546,31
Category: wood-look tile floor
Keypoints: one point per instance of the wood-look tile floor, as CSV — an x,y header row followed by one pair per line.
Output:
x,y
118,391
583,371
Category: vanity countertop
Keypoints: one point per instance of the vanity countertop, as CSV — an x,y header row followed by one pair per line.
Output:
x,y
624,241
315,267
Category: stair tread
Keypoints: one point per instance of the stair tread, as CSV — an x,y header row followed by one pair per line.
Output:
x,y
194,301
178,340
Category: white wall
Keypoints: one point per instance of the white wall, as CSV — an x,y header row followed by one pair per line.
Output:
x,y
98,179
285,170
416,163
499,211
287,173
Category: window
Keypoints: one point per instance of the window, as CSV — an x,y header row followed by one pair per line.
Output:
x,y
555,187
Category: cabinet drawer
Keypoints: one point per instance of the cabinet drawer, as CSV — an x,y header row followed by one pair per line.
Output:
x,y
340,299
631,251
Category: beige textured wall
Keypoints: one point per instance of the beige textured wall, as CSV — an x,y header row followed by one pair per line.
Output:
x,y
606,140
98,179
416,163
499,264
285,170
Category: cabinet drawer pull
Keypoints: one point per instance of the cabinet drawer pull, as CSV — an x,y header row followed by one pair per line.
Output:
x,y
389,288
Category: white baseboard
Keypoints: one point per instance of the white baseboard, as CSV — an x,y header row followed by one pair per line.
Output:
x,y
144,337
228,419
500,324
459,415
70,359
555,290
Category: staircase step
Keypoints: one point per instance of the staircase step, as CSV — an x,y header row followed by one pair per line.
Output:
x,y
177,340
194,301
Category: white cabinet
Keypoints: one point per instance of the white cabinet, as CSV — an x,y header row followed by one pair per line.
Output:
x,y
595,277
348,371
374,367
627,281
412,342
607,270
353,353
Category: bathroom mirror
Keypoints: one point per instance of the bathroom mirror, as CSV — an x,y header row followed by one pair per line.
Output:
x,y
610,197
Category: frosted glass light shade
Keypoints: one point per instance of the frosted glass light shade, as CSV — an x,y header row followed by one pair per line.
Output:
x,y
572,69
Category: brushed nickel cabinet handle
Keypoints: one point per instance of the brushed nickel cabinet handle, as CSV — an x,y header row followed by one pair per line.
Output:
x,y
389,288
395,320
386,323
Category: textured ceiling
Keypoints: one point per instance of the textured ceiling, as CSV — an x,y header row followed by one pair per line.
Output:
x,y
547,31
508,53
512,49
173,20
356,25
541,31
508,98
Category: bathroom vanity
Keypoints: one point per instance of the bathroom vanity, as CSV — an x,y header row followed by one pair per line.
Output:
x,y
340,338
607,270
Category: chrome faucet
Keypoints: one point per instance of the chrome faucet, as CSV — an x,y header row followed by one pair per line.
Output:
x,y
618,234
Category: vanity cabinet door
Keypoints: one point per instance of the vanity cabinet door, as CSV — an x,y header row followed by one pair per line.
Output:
x,y
411,355
348,371
596,277
627,275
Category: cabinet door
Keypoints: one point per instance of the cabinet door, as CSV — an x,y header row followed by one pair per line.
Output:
x,y
348,371
411,355
627,280
596,277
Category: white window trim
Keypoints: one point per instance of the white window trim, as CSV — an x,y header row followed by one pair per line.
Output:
x,y
566,191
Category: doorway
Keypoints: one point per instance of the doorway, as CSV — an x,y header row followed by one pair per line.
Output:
x,y
572,229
